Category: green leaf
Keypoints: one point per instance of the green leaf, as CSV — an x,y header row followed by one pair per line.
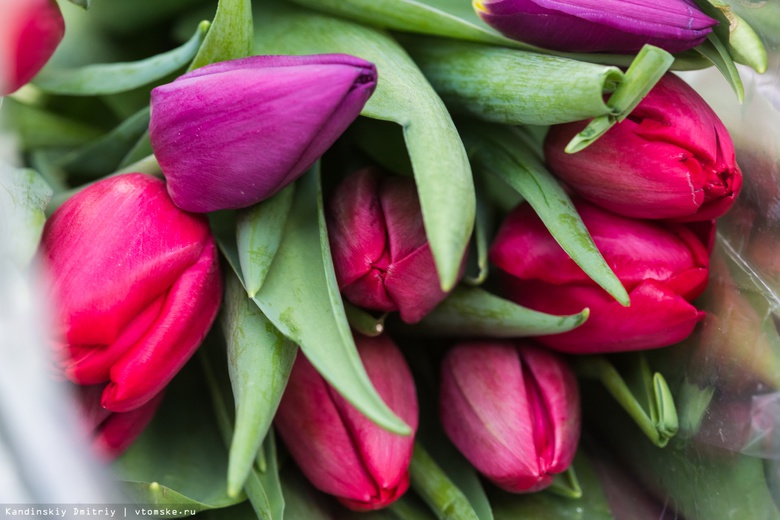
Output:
x,y
23,197
268,477
301,298
437,490
470,311
141,149
84,4
111,78
37,128
714,50
512,86
383,141
644,396
304,502
648,67
502,152
739,38
230,36
259,363
258,235
364,322
566,484
477,267
441,168
180,459
104,155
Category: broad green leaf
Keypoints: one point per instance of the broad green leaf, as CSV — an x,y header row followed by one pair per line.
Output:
x,y
258,234
470,311
241,511
303,501
410,507
23,197
545,505
259,363
512,86
714,50
301,298
643,395
364,322
142,148
110,78
230,36
648,67
441,168
37,128
436,488
742,42
502,152
104,155
180,460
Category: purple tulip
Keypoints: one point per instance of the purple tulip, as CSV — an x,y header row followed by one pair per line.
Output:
x,y
513,410
599,25
380,252
233,133
672,158
338,449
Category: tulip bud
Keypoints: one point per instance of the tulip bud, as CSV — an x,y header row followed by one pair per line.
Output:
x,y
136,286
233,133
380,252
32,29
513,410
338,449
113,433
663,267
672,158
599,25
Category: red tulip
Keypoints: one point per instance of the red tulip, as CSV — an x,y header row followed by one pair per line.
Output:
x,y
338,449
380,252
672,158
663,267
136,286
513,410
32,29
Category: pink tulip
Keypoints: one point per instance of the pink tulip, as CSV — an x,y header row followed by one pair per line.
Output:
x,y
380,252
671,159
136,286
32,29
599,25
663,267
338,449
233,133
112,432
513,410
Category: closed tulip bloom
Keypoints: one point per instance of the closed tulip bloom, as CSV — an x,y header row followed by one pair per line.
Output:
x,y
672,158
663,267
380,251
513,410
338,449
599,25
233,133
32,29
135,283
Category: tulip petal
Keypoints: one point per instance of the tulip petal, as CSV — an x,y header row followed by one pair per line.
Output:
x,y
120,430
413,285
144,370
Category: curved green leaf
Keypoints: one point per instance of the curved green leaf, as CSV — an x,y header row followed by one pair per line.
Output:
x,y
742,42
470,311
301,298
502,152
230,36
259,363
477,266
437,490
23,197
512,86
441,168
717,52
258,235
37,128
111,78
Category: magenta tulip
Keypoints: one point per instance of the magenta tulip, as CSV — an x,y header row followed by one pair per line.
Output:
x,y
135,284
663,267
112,432
671,159
513,410
233,133
599,25
338,449
32,30
380,252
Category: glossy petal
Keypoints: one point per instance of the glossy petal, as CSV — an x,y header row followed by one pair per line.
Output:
x,y
32,30
671,159
233,133
599,25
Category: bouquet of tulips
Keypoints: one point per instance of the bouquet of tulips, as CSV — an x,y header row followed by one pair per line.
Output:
x,y
393,259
